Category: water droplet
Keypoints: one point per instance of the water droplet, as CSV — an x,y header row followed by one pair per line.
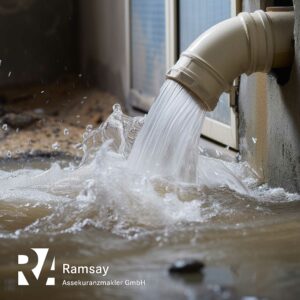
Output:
x,y
79,75
158,238
238,157
55,146
89,128
77,116
254,140
84,97
218,153
66,131
5,127
78,146
201,150
39,111
117,107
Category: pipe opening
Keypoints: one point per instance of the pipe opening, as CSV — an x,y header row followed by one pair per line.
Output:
x,y
251,42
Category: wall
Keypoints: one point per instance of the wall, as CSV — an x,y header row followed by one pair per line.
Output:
x,y
38,40
270,120
104,41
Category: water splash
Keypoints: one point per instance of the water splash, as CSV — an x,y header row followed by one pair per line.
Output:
x,y
103,192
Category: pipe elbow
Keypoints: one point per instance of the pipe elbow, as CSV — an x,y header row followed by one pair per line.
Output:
x,y
248,43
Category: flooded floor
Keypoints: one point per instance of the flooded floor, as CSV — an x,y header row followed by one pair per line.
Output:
x,y
101,213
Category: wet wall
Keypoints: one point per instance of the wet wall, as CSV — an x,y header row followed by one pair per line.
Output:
x,y
269,116
38,40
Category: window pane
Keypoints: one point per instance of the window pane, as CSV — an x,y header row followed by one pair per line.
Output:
x,y
195,17
148,55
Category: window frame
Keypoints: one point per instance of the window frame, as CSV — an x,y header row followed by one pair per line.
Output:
x,y
212,129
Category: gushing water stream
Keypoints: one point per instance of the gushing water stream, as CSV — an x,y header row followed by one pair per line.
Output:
x,y
168,142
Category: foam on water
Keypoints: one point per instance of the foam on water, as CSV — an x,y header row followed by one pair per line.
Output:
x,y
111,190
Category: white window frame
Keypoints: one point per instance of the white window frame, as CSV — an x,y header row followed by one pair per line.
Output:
x,y
213,129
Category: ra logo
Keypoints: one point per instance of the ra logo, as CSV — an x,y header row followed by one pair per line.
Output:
x,y
37,257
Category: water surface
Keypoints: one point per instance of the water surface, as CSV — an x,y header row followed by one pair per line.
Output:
x,y
106,211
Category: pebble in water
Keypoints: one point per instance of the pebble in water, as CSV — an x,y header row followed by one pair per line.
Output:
x,y
186,266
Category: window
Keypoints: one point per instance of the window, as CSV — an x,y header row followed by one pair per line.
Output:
x,y
155,46
148,50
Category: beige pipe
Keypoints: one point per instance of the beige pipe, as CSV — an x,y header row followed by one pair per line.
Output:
x,y
248,43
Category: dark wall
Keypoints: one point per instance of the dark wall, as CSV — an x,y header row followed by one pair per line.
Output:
x,y
38,40
104,45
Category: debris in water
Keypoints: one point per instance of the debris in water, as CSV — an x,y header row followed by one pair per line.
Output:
x,y
9,74
186,266
5,127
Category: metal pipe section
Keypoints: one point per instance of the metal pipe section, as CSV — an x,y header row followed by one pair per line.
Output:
x,y
248,43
